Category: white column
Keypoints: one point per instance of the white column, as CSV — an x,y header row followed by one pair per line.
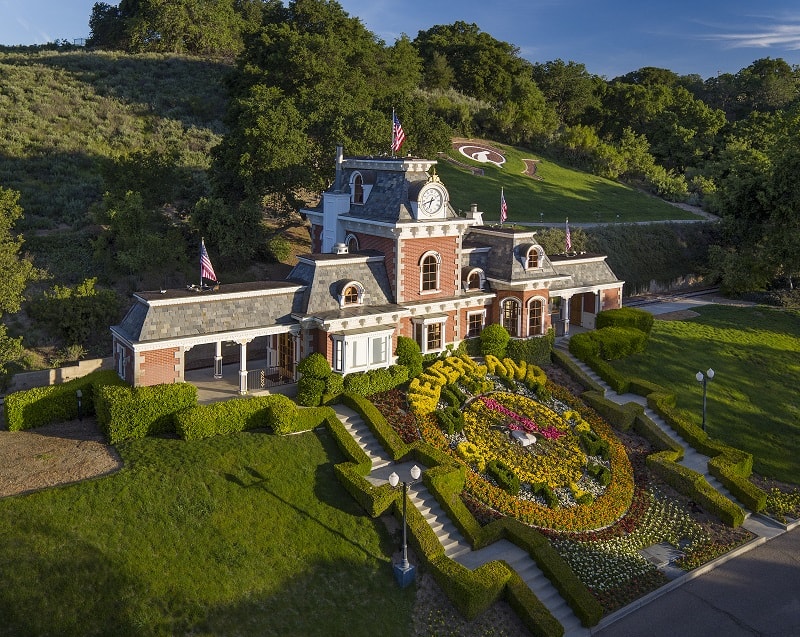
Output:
x,y
243,366
218,360
565,305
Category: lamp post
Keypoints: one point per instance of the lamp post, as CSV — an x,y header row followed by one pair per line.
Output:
x,y
404,572
79,396
704,378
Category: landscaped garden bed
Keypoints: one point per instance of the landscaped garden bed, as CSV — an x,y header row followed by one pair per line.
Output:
x,y
599,529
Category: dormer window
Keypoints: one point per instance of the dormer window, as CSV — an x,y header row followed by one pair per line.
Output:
x,y
358,189
352,293
351,241
350,296
533,258
474,279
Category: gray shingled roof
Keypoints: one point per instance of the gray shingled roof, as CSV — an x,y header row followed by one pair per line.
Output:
x,y
584,271
197,314
325,274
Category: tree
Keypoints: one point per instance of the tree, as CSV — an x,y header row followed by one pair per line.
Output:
x,y
783,228
17,273
568,87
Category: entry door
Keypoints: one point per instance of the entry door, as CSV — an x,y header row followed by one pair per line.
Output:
x,y
286,355
576,310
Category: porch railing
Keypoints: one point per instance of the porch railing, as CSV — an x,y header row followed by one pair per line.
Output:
x,y
266,377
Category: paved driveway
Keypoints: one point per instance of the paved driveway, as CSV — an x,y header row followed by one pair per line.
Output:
x,y
757,593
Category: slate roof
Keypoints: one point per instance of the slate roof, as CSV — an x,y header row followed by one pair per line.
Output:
x,y
178,314
585,270
324,275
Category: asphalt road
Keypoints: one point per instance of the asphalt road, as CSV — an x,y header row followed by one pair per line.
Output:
x,y
754,594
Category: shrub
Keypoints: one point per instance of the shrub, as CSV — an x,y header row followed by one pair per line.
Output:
x,y
129,413
409,354
536,350
315,366
450,419
471,454
494,339
506,479
281,414
625,317
310,391
56,403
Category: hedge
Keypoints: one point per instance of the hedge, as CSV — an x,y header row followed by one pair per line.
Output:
x,y
40,406
621,417
129,413
694,485
374,419
565,361
625,317
532,350
376,380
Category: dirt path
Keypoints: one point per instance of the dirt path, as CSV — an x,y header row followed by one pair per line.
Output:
x,y
52,455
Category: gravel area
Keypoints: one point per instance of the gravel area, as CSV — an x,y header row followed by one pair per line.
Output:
x,y
52,455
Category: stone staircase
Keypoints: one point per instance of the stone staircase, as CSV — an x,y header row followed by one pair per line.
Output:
x,y
691,458
455,545
362,434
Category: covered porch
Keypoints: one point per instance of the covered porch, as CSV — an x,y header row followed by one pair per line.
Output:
x,y
211,388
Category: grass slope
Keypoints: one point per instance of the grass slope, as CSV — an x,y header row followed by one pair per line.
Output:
x,y
752,400
561,193
248,534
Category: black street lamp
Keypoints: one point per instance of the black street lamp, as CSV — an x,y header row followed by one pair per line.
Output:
x,y
704,378
404,572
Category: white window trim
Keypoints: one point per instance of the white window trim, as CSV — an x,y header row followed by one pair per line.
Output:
x,y
358,287
515,301
482,314
342,344
481,279
351,238
544,312
425,322
438,257
539,257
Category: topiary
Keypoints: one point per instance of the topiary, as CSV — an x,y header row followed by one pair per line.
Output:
x,y
494,340
315,366
409,354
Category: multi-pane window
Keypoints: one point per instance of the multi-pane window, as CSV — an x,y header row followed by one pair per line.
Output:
x,y
535,317
350,296
510,316
430,273
434,337
533,258
474,324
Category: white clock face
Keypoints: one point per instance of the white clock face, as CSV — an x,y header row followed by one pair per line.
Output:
x,y
431,201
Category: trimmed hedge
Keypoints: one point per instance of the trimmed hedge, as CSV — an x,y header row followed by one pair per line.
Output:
x,y
621,417
376,380
374,419
534,350
626,317
609,343
694,485
564,360
39,406
129,413
506,479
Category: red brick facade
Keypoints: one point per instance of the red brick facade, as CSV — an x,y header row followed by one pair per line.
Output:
x,y
160,366
411,253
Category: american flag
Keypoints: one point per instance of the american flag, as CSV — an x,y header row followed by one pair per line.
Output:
x,y
503,207
398,136
206,269
568,240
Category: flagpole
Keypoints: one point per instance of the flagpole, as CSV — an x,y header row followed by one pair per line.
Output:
x,y
501,206
202,243
391,146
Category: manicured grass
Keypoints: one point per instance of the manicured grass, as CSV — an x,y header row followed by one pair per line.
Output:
x,y
249,534
561,193
752,400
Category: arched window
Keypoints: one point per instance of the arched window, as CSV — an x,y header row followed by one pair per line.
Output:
x,y
352,243
474,280
350,296
535,317
429,272
510,316
358,189
533,258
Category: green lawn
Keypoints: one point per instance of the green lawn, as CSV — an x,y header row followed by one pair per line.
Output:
x,y
562,192
248,534
753,399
